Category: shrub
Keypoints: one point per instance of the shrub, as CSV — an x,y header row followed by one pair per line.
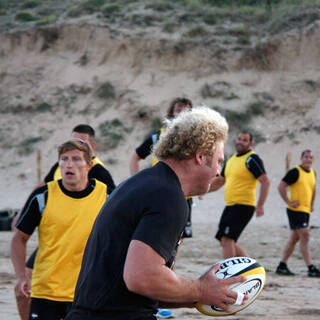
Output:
x,y
169,27
46,20
159,6
111,132
256,108
30,4
26,16
27,146
109,9
198,31
106,91
44,107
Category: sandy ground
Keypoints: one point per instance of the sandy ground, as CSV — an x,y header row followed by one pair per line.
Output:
x,y
282,298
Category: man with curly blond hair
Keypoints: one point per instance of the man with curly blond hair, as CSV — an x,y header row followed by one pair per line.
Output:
x,y
126,270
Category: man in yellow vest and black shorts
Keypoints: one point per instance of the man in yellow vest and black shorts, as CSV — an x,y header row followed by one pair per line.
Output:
x,y
301,182
240,175
98,171
64,212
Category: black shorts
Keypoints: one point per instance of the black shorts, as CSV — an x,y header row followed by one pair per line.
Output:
x,y
30,261
298,219
187,232
44,309
233,221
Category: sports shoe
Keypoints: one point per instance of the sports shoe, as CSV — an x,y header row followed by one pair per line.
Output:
x,y
314,272
284,271
164,314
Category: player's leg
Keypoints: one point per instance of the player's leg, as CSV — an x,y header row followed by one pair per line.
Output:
x,y
240,252
290,246
304,236
228,247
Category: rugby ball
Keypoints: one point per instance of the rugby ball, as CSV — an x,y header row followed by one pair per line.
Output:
x,y
238,266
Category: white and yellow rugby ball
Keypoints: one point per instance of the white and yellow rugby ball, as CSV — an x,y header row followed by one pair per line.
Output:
x,y
238,266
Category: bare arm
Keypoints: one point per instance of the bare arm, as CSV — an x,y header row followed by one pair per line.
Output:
x,y
264,189
18,258
134,163
283,190
217,183
313,197
145,273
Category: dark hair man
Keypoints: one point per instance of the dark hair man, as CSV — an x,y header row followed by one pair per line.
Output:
x,y
301,182
241,175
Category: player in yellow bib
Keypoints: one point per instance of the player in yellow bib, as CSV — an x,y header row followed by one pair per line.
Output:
x,y
301,182
64,212
240,175
98,171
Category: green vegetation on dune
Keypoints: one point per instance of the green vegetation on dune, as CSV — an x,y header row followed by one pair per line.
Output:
x,y
273,14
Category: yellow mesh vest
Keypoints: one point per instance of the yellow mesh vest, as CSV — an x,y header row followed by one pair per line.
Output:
x,y
241,185
57,173
302,190
63,232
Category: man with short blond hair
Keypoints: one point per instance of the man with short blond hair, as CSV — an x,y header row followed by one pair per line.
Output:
x,y
64,212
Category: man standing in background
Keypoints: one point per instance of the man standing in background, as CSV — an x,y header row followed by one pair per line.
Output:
x,y
241,175
301,182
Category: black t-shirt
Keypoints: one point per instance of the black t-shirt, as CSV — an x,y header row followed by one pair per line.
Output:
x,y
292,176
254,165
145,148
96,172
150,207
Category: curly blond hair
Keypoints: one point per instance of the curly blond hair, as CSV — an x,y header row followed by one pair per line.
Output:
x,y
192,131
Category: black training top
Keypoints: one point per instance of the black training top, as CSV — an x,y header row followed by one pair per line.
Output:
x,y
96,172
292,176
254,165
145,148
149,207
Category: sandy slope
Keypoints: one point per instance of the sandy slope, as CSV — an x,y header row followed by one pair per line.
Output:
x,y
147,76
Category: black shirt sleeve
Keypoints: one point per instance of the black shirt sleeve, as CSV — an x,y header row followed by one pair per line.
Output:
x,y
291,176
145,149
49,177
32,211
162,225
102,174
255,165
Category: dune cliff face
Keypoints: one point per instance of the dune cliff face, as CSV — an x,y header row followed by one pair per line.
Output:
x,y
53,78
